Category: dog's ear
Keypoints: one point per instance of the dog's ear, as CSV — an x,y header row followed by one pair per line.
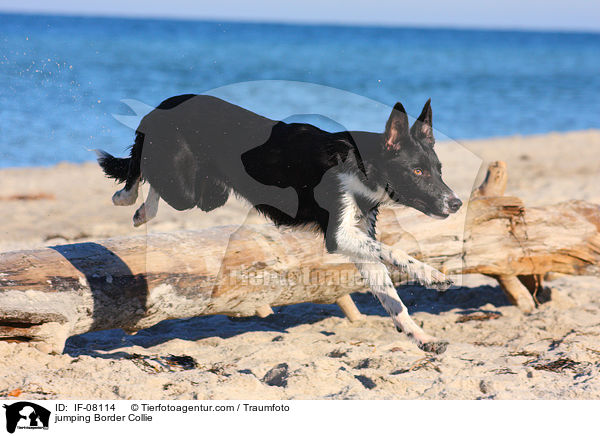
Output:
x,y
422,129
396,127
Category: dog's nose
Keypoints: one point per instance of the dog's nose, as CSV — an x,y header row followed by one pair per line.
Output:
x,y
454,204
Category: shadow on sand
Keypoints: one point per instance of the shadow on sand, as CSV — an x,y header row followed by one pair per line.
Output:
x,y
417,299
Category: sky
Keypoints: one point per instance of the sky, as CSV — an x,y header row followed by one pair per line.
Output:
x,y
578,15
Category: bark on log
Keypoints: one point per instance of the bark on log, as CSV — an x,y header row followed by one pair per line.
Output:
x,y
49,294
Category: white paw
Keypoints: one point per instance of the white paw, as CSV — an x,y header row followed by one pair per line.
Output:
x,y
435,346
124,197
432,278
426,342
140,216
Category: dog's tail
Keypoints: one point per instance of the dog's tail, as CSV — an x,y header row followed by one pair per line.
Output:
x,y
114,167
123,169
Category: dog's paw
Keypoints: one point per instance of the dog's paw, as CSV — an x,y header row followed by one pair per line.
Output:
x,y
432,278
443,284
140,217
124,197
436,347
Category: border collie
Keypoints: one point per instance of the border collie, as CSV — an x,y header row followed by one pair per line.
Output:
x,y
194,150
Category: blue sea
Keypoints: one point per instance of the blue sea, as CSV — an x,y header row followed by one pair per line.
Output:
x,y
72,84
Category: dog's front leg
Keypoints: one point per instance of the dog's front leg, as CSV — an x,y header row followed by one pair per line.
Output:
x,y
351,233
357,245
377,277
415,269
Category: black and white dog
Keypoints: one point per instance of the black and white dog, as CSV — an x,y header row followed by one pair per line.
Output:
x,y
194,150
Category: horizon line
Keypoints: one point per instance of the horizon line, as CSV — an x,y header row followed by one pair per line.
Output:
x,y
315,23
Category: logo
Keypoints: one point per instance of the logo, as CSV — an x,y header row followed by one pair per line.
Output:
x,y
26,415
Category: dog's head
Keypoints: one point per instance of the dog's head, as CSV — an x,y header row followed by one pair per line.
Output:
x,y
412,169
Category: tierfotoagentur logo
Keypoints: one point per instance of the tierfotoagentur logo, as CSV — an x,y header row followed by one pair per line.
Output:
x,y
26,416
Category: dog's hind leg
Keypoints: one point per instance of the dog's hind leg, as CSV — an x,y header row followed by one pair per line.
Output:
x,y
378,279
148,209
126,196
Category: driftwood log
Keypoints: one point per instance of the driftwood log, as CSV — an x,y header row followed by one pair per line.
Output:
x,y
49,294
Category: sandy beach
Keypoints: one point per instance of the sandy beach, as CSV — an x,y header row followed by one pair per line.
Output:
x,y
311,351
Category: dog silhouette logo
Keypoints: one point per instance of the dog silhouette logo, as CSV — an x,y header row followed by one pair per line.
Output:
x,y
26,415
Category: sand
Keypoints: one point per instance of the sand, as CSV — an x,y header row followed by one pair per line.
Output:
x,y
311,351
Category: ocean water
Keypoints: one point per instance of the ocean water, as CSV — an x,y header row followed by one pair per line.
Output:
x,y
72,84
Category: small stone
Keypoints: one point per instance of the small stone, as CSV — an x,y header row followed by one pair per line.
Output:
x,y
365,381
363,364
485,387
277,376
336,354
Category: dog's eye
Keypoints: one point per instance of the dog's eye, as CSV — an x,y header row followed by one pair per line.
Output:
x,y
418,171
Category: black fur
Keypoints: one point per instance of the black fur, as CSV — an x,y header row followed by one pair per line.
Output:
x,y
196,149
114,167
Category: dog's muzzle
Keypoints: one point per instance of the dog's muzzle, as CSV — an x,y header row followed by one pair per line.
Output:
x,y
454,204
